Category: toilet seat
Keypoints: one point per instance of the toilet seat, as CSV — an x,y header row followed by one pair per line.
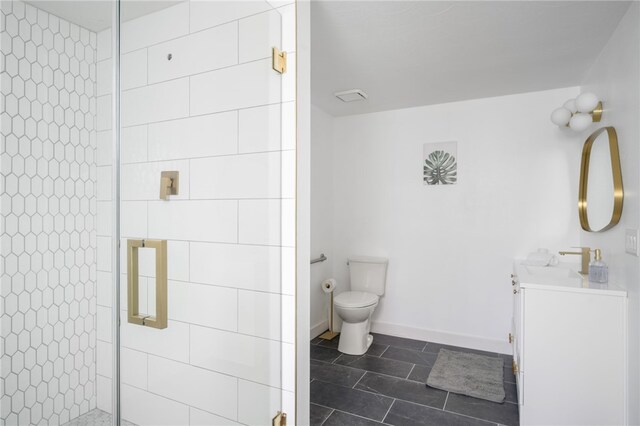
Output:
x,y
355,299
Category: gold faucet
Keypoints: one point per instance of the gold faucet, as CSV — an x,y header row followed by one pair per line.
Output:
x,y
585,252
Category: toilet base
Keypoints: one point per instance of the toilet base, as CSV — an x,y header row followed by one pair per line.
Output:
x,y
355,338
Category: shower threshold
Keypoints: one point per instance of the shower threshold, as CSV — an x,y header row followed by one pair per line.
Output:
x,y
95,417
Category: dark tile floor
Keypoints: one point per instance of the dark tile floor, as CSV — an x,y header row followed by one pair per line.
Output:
x,y
387,386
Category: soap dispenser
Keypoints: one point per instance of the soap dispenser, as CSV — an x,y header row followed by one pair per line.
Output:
x,y
598,270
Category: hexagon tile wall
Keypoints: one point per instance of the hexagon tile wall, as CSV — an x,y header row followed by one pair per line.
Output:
x,y
48,214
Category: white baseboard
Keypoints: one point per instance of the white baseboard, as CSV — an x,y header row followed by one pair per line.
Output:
x,y
443,337
318,329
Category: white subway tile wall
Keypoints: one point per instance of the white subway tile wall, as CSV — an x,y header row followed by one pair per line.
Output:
x,y
48,199
200,97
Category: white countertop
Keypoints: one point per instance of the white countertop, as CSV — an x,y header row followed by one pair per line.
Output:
x,y
562,277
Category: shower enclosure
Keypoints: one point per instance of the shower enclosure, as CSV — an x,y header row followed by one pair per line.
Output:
x,y
148,212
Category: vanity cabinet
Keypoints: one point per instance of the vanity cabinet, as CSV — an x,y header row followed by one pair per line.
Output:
x,y
569,351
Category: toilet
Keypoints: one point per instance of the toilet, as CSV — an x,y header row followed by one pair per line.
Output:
x,y
355,307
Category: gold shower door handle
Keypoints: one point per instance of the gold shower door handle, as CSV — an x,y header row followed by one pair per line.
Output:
x,y
133,283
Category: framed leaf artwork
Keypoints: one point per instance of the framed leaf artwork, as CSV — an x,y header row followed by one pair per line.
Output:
x,y
440,163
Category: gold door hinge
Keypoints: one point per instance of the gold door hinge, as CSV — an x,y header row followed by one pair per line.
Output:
x,y
279,60
510,338
280,419
514,367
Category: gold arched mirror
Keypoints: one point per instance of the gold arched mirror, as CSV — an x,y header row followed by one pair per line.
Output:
x,y
601,194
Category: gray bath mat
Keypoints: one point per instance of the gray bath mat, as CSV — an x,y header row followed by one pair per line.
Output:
x,y
468,374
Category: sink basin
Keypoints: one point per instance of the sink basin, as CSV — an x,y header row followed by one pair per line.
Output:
x,y
551,271
558,275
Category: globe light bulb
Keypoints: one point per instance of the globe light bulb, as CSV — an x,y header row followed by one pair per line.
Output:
x,y
561,116
587,102
571,106
580,121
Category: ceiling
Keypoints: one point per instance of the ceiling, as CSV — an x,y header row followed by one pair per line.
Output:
x,y
410,53
96,15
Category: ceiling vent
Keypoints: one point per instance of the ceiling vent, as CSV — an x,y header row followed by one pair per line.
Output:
x,y
351,95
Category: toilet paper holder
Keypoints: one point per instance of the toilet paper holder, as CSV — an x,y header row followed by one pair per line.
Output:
x,y
322,258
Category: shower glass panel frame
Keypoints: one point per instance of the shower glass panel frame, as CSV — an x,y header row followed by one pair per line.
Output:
x,y
85,149
116,414
247,354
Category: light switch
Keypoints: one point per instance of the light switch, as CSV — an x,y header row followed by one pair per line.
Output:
x,y
631,241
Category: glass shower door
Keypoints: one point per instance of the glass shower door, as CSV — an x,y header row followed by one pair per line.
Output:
x,y
207,214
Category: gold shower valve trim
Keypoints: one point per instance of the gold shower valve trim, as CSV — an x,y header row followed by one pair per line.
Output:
x,y
169,184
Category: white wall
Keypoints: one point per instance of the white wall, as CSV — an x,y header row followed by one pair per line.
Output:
x,y
221,116
615,77
48,217
450,248
321,215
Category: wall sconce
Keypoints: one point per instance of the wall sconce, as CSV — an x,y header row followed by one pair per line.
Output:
x,y
578,113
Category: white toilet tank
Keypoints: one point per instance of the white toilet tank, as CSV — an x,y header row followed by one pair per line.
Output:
x,y
368,274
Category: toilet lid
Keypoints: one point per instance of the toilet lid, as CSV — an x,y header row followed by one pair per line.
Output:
x,y
355,299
